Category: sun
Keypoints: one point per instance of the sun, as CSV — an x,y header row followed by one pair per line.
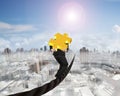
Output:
x,y
71,15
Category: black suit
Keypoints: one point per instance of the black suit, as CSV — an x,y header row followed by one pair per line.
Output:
x,y
61,59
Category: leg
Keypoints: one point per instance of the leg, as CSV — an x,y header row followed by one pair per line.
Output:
x,y
63,65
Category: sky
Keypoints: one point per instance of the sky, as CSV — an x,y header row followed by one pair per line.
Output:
x,y
31,23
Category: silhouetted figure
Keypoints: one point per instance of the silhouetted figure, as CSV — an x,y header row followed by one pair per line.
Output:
x,y
61,59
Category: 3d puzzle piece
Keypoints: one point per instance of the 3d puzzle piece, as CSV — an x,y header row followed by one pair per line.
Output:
x,y
60,41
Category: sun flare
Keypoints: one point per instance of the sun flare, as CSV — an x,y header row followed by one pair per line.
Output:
x,y
71,15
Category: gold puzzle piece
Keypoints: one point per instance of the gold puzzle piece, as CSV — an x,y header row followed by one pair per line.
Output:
x,y
60,41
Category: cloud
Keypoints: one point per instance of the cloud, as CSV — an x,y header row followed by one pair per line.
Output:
x,y
35,41
98,41
21,43
38,40
6,27
115,45
116,28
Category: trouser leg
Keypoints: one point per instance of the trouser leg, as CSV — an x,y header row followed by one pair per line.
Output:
x,y
63,65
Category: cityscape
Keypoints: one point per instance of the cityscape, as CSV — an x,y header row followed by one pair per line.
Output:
x,y
27,63
93,73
